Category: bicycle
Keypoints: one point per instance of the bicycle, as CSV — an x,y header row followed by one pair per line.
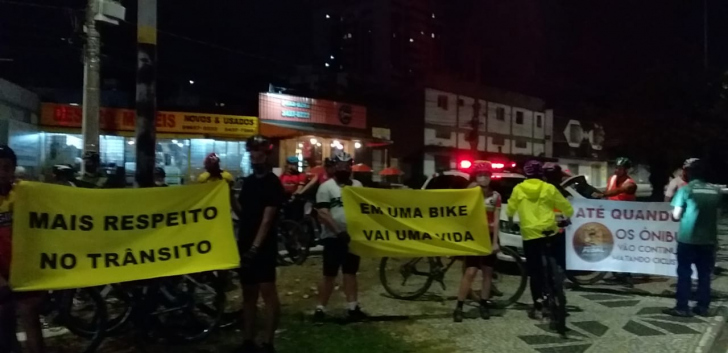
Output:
x,y
81,311
293,241
433,269
554,277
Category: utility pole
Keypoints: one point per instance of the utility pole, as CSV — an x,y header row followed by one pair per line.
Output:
x,y
146,92
91,94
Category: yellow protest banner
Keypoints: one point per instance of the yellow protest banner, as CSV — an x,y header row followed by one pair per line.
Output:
x,y
66,237
412,223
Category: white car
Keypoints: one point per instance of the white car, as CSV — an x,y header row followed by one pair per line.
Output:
x,y
503,183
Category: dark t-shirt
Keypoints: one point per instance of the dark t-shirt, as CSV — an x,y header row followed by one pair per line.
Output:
x,y
256,194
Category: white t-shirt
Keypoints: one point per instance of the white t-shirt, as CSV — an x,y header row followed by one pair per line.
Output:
x,y
330,193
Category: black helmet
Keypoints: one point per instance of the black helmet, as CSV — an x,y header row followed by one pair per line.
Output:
x,y
159,171
328,163
8,153
624,162
258,143
92,155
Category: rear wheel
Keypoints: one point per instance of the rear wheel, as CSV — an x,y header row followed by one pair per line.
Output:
x,y
509,279
405,278
557,300
83,312
292,243
585,278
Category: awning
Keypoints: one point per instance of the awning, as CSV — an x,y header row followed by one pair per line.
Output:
x,y
281,130
361,168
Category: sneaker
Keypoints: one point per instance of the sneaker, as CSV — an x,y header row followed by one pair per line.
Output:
x,y
701,312
535,314
676,312
319,316
357,315
485,310
457,315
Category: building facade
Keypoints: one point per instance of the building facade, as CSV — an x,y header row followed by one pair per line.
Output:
x,y
499,125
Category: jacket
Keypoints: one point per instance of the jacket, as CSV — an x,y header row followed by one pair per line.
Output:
x,y
534,201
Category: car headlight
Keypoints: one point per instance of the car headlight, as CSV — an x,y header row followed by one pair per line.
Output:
x,y
503,225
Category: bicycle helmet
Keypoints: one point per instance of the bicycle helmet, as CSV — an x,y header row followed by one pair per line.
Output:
x,y
92,155
211,160
292,160
341,156
159,171
624,162
533,169
8,153
258,143
482,167
692,163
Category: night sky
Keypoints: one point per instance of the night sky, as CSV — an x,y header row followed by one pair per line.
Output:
x,y
563,50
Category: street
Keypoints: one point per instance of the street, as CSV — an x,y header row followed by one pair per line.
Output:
x,y
604,318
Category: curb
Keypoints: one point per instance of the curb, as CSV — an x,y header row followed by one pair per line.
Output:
x,y
714,332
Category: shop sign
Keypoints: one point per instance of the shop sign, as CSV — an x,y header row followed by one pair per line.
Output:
x,y
60,115
283,107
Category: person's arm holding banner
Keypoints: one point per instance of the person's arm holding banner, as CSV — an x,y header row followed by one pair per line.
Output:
x,y
495,247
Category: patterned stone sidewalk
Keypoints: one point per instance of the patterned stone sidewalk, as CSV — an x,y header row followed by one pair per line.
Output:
x,y
598,323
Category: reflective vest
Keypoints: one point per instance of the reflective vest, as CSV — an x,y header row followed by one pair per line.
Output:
x,y
623,196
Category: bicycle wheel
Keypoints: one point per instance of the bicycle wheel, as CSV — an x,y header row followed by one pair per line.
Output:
x,y
585,278
557,299
83,312
509,279
118,307
233,311
190,307
292,243
407,278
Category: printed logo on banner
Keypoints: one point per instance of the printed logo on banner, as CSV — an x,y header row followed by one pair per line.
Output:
x,y
593,242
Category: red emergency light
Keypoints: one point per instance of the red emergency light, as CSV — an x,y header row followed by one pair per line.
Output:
x,y
465,164
498,165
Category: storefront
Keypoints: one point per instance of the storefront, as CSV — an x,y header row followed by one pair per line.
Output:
x,y
183,141
18,129
314,129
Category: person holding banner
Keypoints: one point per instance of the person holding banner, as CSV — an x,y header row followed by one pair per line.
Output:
x,y
336,240
696,206
481,174
621,186
27,303
213,171
535,201
258,204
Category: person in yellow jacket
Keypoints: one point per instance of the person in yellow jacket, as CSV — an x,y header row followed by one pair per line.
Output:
x,y
213,172
535,201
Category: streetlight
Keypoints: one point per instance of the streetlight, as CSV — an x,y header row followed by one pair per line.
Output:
x,y
192,82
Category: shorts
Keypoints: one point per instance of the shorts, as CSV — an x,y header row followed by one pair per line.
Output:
x,y
480,261
6,253
263,268
337,255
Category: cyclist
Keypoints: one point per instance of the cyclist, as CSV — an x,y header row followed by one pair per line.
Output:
x,y
320,178
292,180
621,186
535,200
159,177
336,240
259,201
92,177
213,172
481,174
696,205
27,304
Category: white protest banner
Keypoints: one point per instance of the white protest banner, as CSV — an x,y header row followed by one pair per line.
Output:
x,y
616,236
